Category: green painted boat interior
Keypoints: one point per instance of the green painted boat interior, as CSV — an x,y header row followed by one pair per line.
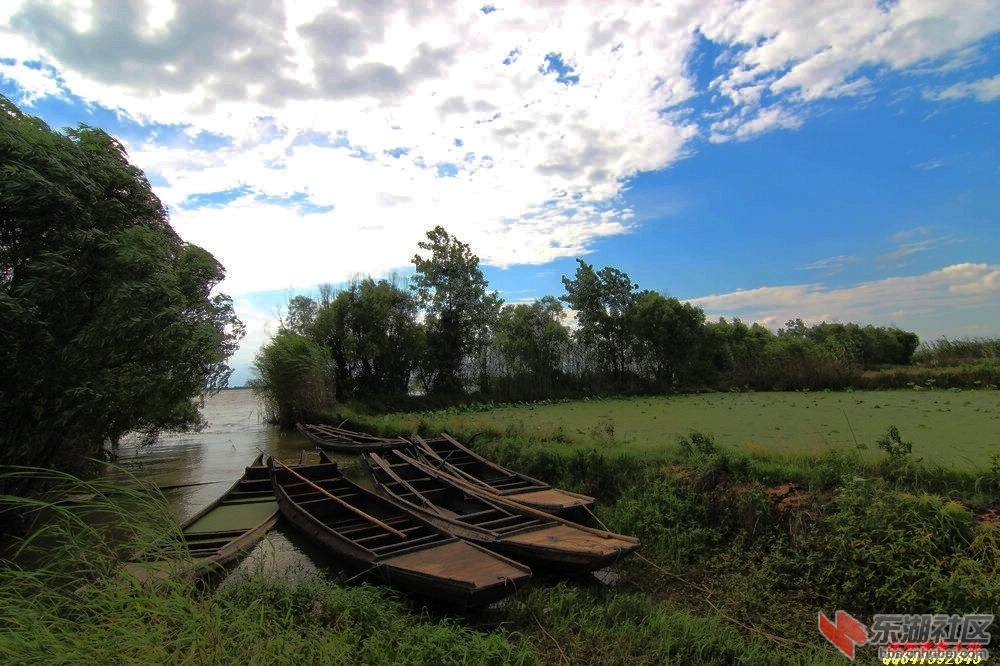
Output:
x,y
239,515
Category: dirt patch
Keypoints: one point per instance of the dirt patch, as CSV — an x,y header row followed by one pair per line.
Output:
x,y
989,516
788,497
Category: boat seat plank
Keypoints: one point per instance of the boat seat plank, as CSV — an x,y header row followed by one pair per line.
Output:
x,y
408,543
508,520
466,517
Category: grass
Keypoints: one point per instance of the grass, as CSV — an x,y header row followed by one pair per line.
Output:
x,y
948,428
741,547
63,600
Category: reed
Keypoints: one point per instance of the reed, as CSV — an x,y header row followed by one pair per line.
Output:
x,y
63,602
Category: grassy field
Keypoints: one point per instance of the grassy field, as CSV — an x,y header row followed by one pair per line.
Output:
x,y
745,537
947,427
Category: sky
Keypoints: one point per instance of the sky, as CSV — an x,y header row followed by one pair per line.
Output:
x,y
830,160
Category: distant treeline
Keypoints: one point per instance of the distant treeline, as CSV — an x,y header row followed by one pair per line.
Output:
x,y
445,336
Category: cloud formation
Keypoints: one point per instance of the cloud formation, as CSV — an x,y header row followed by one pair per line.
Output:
x,y
381,119
911,302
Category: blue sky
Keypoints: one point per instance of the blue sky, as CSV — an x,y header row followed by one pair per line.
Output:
x,y
765,160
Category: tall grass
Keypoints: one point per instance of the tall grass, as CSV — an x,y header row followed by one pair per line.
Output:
x,y
740,550
63,600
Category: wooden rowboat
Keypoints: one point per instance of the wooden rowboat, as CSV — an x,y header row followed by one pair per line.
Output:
x,y
449,456
225,529
374,535
523,533
347,441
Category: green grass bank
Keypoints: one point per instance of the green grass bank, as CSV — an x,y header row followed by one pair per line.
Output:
x,y
743,544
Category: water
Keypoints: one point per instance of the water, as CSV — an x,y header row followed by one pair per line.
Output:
x,y
196,468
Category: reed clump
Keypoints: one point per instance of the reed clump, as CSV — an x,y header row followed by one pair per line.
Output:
x,y
63,600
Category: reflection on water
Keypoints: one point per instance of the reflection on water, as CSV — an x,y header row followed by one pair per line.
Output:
x,y
196,468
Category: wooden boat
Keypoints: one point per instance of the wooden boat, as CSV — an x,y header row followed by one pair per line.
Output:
x,y
448,455
222,531
347,441
523,533
372,534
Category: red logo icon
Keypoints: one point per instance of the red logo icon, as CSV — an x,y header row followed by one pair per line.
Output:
x,y
845,632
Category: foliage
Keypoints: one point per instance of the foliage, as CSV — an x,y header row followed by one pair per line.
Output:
x,y
301,315
460,313
895,448
107,319
668,336
532,341
945,352
374,338
294,378
602,300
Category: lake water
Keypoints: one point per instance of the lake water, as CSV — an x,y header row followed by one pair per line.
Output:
x,y
196,468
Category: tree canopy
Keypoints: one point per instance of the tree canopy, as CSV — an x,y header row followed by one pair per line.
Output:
x,y
108,323
602,300
460,312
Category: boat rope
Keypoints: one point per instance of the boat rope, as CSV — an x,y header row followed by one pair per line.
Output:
x,y
552,638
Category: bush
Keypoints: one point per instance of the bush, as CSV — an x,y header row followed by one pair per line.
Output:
x,y
295,379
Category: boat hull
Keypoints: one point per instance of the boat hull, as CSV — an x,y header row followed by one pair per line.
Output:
x,y
451,457
220,533
336,439
368,533
522,533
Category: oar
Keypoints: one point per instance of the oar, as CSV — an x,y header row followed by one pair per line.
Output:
x,y
427,449
326,492
387,468
513,504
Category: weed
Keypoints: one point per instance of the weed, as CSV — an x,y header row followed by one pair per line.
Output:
x,y
894,446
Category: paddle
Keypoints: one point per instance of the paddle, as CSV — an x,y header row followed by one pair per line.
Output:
x,y
350,507
387,468
426,448
513,503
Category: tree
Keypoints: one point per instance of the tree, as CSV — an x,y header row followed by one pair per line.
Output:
x,y
601,300
294,378
107,319
460,312
301,315
532,339
667,335
372,332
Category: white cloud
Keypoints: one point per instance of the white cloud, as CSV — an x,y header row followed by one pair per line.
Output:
x,y
908,247
831,265
917,302
984,90
536,166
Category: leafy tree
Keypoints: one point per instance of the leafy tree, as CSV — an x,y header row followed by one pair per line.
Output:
x,y
532,339
107,319
460,312
372,332
602,300
668,335
891,346
734,352
301,315
294,378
